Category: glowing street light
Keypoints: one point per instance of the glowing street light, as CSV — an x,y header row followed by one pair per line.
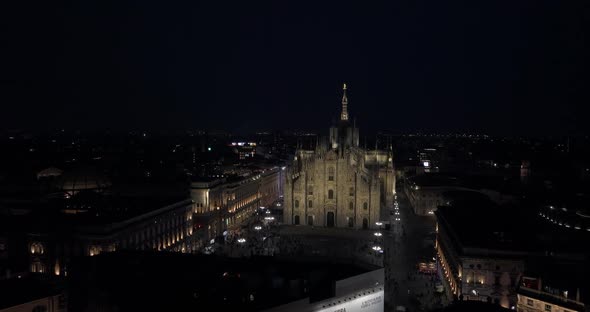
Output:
x,y
376,248
241,240
378,223
258,228
378,234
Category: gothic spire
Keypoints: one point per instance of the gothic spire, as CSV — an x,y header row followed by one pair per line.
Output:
x,y
344,114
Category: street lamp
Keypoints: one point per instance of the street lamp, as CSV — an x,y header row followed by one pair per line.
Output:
x,y
378,223
241,240
377,249
378,234
258,228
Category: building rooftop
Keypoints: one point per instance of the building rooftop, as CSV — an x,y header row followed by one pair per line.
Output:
x,y
183,282
435,179
16,291
91,214
549,277
479,224
468,180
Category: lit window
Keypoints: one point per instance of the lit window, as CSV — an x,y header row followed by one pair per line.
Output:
x,y
37,267
37,248
95,250
530,302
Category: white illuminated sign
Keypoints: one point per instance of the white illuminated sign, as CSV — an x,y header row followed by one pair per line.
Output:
x,y
369,303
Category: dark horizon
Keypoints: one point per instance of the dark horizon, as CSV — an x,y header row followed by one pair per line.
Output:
x,y
491,68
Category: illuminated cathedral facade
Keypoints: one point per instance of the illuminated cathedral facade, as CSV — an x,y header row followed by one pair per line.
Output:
x,y
338,183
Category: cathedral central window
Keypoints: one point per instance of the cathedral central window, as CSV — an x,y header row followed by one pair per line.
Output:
x,y
331,174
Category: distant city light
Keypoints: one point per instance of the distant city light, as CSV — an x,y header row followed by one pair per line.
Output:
x,y
258,228
241,240
378,223
378,234
209,148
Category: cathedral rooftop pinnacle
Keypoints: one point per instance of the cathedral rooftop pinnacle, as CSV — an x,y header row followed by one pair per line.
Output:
x,y
344,114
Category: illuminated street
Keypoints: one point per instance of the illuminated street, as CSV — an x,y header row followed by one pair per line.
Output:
x,y
405,247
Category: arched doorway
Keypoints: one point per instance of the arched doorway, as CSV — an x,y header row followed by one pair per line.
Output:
x,y
296,220
330,219
309,220
365,223
350,222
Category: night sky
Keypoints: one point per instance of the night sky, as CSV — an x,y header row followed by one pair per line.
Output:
x,y
499,67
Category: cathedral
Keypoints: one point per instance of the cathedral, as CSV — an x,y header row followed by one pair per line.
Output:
x,y
338,183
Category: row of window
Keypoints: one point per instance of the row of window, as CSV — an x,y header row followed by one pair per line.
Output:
x,y
350,205
310,191
548,307
350,221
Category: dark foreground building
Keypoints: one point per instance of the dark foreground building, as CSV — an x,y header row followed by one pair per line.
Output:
x,y
151,281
